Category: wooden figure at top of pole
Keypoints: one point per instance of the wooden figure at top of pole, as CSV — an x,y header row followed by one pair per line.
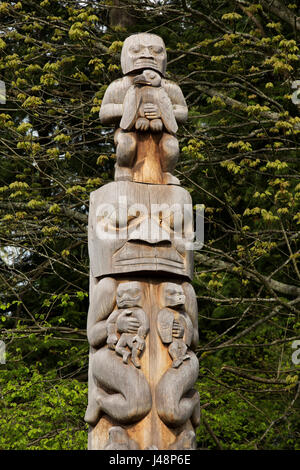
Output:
x,y
146,107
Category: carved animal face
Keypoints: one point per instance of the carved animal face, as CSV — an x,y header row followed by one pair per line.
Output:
x,y
126,236
173,295
143,50
129,294
148,77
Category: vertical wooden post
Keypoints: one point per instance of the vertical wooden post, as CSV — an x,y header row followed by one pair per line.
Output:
x,y
143,317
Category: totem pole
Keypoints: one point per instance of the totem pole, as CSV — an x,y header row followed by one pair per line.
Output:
x,y
143,320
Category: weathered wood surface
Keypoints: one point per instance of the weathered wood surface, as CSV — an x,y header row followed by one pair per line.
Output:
x,y
148,228
155,403
143,317
144,102
143,50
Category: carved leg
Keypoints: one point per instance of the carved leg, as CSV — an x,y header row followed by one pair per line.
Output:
x,y
121,347
177,351
129,398
135,356
174,353
182,347
176,401
126,151
169,156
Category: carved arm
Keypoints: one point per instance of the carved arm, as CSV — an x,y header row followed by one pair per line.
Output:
x,y
101,305
112,104
97,334
177,99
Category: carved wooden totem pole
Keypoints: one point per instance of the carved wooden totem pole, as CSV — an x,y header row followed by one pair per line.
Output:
x,y
143,318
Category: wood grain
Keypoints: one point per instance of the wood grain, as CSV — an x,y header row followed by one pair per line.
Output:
x,y
143,317
155,364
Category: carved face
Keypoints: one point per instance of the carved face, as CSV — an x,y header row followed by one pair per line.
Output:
x,y
143,51
129,294
148,77
173,295
126,236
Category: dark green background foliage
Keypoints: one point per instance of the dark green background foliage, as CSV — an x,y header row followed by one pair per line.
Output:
x,y
235,62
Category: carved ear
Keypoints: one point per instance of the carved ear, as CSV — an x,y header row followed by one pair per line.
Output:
x,y
167,113
131,106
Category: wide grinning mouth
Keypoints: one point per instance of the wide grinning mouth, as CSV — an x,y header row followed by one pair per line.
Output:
x,y
128,303
139,261
146,61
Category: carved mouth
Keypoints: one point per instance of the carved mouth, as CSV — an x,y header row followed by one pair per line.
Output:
x,y
146,62
148,260
127,303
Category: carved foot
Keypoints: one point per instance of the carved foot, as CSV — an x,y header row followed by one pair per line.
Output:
x,y
176,363
126,355
170,179
118,439
156,125
142,124
135,361
93,412
185,441
123,173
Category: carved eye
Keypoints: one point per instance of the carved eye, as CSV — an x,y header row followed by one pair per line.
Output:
x,y
135,48
152,75
156,49
135,292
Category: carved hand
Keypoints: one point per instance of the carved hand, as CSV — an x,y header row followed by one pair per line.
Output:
x,y
151,111
177,330
127,325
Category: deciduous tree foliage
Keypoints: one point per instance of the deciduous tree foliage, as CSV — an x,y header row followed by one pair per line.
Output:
x,y
236,62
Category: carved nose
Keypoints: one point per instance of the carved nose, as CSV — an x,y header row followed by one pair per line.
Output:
x,y
147,53
150,232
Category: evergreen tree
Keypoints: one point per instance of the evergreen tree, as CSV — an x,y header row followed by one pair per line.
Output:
x,y
236,63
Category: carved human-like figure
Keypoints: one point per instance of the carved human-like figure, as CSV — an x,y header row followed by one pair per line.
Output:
x,y
174,323
129,302
176,400
116,389
142,52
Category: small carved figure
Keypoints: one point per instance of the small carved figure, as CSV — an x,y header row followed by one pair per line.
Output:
x,y
173,324
176,399
147,89
118,439
129,301
144,52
